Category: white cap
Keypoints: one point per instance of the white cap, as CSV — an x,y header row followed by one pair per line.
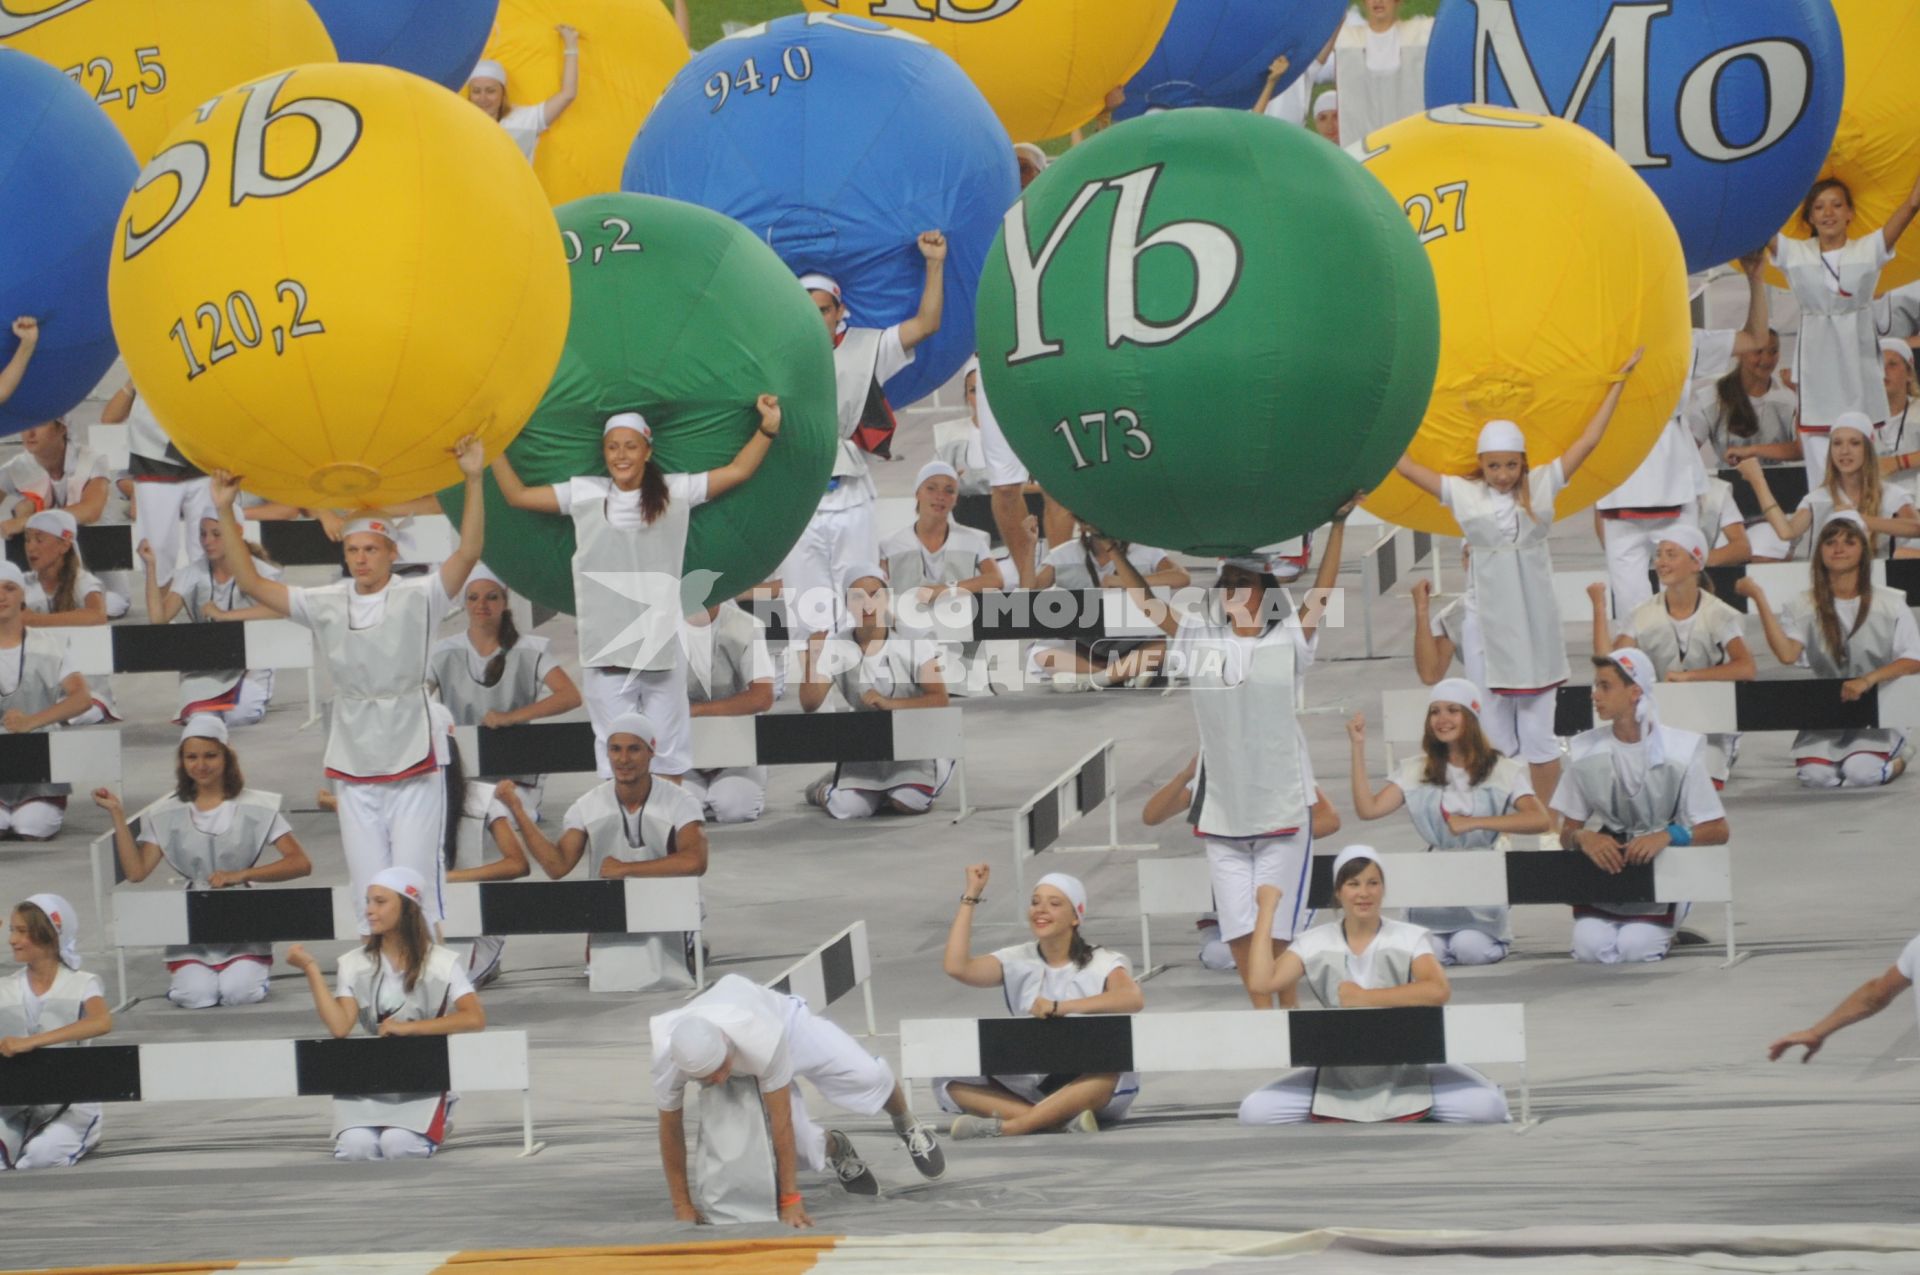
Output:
x,y
1858,422
402,881
935,469
1893,345
66,923
814,281
1847,516
369,523
1638,665
1032,153
865,571
481,571
10,574
1069,886
204,726
1500,436
628,420
1328,103
488,69
638,725
1351,853
55,522
697,1046
1690,539
1249,562
1455,690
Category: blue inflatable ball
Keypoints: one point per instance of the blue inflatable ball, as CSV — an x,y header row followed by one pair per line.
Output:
x,y
64,173
838,141
1727,110
1216,52
439,40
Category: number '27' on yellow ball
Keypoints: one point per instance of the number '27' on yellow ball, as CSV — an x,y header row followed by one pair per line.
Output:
x,y
328,276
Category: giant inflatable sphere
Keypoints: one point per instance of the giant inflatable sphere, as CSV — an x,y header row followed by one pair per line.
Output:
x,y
1877,149
1216,52
683,316
64,172
1727,112
437,39
1205,330
838,142
332,277
150,63
1533,327
1045,65
629,50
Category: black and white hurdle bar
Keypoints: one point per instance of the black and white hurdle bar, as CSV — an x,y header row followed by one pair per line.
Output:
x,y
1080,790
103,650
228,1070
1230,1040
80,756
771,739
831,971
1471,878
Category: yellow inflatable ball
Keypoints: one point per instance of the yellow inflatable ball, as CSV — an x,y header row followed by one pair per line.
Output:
x,y
1045,65
1554,261
149,63
330,275
628,50
1877,150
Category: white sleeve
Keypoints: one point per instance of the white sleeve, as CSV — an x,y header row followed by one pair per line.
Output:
x,y
1556,477
778,1073
278,829
574,820
1909,962
1882,254
69,662
563,495
93,988
1699,800
669,1084
342,989
437,597
894,355
1522,785
297,606
459,985
1906,637
1449,484
1712,352
542,667
689,489
1797,621
1570,802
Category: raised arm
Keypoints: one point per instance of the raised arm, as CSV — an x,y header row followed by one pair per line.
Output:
x,y
1432,652
1427,480
747,461
1173,796
337,1012
1603,641
933,293
1328,576
1787,528
1367,803
1865,1001
1902,217
268,593
539,500
1265,973
814,680
27,332
1786,649
1276,71
473,518
1754,335
689,857
959,963
557,105
163,604
1158,613
138,859
1576,455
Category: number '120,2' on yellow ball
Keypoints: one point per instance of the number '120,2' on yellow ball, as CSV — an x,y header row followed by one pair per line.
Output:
x,y
328,276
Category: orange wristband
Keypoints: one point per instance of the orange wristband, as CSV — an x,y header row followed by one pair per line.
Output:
x,y
788,1201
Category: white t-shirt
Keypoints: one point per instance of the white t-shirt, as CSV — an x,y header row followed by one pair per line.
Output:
x,y
391,990
1881,256
894,356
524,124
1909,967
1290,104
365,610
1546,484
1699,801
669,799
215,822
23,474
477,663
623,507
1458,796
94,987
1803,626
1195,637
85,585
13,662
754,1021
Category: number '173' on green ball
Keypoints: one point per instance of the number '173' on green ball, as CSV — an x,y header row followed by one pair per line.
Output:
x,y
1204,330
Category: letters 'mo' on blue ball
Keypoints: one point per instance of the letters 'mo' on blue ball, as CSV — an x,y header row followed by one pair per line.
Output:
x,y
838,141
1727,110
64,172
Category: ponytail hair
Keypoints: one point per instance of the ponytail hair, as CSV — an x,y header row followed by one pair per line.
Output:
x,y
1736,409
416,940
454,775
497,666
653,491
66,583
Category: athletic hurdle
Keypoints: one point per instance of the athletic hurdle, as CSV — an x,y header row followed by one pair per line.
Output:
x,y
830,971
1081,789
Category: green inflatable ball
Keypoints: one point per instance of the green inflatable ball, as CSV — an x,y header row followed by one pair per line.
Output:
x,y
682,315
1204,330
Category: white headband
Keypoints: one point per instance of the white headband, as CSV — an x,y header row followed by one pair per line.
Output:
x,y
377,526
66,924
817,282
628,420
1890,345
1328,102
1691,540
481,571
697,1046
638,725
935,469
1351,853
10,574
1500,436
55,522
204,726
402,881
1858,422
1849,516
1069,886
488,69
867,570
1455,690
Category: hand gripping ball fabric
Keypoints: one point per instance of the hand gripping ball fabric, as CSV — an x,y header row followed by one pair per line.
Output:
x,y
1206,329
629,50
437,39
332,277
150,63
1725,109
64,172
1877,148
838,142
1216,52
1045,65
1554,263
683,316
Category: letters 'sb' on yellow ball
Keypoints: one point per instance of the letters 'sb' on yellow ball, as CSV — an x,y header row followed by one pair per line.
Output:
x,y
329,275
149,63
1553,261
1046,66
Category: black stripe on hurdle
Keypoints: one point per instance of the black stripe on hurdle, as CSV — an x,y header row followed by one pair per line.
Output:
x,y
539,748
178,648
364,1066
1904,574
553,907
1546,876
259,916
1069,1046
1054,614
771,612
1368,1038
101,548
1802,705
836,968
1573,710
1090,785
48,1077
977,512
26,759
1788,483
790,739
300,543
1043,821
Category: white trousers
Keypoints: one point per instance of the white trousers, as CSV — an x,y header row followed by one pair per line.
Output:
x,y
37,819
1467,947
834,1063
159,518
1599,941
814,576
1461,1095
736,794
57,1144
398,824
1240,868
1857,768
1630,543
660,694
906,799
365,1142
239,982
1521,726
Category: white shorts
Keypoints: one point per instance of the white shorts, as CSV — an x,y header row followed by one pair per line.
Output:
x,y
1521,726
1003,466
660,694
1240,868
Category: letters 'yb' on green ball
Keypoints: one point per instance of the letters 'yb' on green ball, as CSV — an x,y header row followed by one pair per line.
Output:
x,y
1204,330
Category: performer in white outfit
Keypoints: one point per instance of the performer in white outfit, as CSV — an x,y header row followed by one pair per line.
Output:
x,y
1256,781
1510,638
165,485
56,471
738,1028
1688,633
1867,1000
61,592
1289,105
1746,412
1844,627
1380,67
1365,961
1461,795
1851,481
1899,433
49,1003
935,554
1836,365
731,672
375,630
41,687
1086,563
635,825
487,89
206,592
1647,786
1008,480
876,670
841,534
213,832
1058,975
630,545
398,983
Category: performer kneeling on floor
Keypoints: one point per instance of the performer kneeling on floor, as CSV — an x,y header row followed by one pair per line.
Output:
x,y
49,1002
